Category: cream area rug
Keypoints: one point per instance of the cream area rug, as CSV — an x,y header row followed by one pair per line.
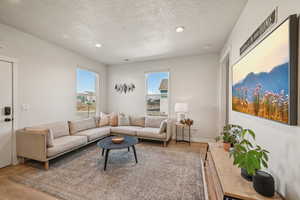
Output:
x,y
161,173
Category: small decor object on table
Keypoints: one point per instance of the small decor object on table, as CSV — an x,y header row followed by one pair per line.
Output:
x,y
117,139
185,123
229,135
264,183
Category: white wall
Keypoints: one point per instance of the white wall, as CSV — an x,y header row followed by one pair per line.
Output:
x,y
46,77
282,141
192,80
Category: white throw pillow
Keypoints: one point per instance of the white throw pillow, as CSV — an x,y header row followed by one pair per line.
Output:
x,y
123,120
154,122
163,126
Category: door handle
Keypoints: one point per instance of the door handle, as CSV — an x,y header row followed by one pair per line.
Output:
x,y
7,119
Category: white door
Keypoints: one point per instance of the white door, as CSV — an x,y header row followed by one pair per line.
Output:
x,y
6,123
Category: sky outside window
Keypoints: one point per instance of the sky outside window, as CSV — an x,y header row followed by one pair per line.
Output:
x,y
154,80
86,81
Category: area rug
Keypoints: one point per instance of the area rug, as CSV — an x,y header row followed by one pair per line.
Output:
x,y
161,173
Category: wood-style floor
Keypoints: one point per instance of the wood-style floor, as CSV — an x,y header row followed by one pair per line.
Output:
x,y
10,190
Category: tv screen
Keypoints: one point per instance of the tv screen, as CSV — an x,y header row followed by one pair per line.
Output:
x,y
264,81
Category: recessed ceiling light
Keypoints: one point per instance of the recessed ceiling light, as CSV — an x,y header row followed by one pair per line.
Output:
x,y
126,59
179,29
65,36
98,45
207,46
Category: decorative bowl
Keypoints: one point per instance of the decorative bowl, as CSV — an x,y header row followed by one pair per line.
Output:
x,y
117,139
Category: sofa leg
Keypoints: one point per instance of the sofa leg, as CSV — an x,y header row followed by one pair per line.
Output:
x,y
46,165
165,144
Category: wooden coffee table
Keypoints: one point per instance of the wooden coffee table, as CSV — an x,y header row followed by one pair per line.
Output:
x,y
106,144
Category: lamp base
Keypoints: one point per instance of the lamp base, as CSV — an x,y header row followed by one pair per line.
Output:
x,y
180,116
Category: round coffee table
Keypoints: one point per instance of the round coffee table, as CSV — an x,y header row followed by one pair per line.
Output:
x,y
106,144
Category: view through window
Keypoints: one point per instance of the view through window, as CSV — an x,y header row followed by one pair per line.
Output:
x,y
86,93
157,103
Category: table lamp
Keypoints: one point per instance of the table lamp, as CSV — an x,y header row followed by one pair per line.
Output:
x,y
181,110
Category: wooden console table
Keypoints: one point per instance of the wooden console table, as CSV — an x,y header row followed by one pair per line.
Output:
x,y
224,181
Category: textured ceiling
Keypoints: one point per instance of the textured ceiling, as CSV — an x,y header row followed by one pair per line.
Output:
x,y
127,29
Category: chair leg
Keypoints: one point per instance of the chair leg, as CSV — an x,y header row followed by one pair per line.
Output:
x,y
46,165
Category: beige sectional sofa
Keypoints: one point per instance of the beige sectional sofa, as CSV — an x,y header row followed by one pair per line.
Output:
x,y
46,142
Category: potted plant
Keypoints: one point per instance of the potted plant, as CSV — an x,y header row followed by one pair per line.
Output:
x,y
229,135
248,156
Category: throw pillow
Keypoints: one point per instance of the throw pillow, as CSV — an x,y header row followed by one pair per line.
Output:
x,y
153,122
46,131
163,126
137,121
76,126
123,120
113,119
104,120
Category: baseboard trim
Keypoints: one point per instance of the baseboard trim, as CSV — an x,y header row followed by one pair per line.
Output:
x,y
202,139
204,181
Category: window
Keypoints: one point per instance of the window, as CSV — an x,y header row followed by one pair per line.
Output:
x,y
86,93
157,93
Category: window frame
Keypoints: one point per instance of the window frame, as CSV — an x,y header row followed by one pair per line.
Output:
x,y
97,88
146,89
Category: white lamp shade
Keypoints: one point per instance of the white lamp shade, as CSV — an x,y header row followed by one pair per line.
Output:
x,y
181,107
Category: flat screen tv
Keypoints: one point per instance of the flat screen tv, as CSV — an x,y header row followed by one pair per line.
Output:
x,y
264,81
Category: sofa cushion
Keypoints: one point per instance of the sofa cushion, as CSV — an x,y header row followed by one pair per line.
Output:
x,y
123,120
95,133
137,121
151,133
126,130
153,122
81,125
65,143
58,129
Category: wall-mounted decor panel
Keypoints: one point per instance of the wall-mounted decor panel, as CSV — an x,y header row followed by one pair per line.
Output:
x,y
265,79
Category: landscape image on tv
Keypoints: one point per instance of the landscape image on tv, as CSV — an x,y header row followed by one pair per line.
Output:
x,y
261,79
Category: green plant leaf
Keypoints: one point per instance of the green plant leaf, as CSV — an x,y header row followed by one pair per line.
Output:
x,y
265,156
265,164
251,133
266,151
244,133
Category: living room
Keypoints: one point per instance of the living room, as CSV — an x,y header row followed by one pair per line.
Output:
x,y
159,78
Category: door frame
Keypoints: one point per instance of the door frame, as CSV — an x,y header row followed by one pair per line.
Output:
x,y
15,113
225,57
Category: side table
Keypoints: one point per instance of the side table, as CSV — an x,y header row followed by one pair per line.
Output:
x,y
182,128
